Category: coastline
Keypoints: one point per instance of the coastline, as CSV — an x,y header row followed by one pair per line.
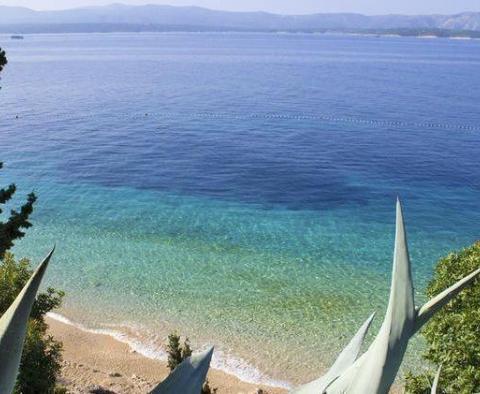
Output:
x,y
95,361
98,359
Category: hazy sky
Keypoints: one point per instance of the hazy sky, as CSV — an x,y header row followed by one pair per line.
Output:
x,y
283,6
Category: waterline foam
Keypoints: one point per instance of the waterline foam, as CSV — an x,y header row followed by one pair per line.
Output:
x,y
222,361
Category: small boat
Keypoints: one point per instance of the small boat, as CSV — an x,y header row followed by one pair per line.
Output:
x,y
16,37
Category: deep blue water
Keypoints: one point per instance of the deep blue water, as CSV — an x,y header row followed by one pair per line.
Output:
x,y
241,187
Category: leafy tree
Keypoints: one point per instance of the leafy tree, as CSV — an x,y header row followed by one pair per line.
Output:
x,y
41,361
41,357
12,228
453,335
3,60
178,352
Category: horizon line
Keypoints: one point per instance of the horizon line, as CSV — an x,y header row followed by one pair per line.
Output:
x,y
236,12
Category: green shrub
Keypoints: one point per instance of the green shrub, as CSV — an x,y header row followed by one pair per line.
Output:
x,y
3,59
177,352
40,363
11,229
453,335
41,357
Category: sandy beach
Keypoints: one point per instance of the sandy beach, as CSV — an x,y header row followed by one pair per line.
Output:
x,y
94,361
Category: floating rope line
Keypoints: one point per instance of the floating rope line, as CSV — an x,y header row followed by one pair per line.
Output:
x,y
326,118
267,116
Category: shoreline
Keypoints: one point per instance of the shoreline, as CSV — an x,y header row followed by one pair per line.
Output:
x,y
96,360
369,34
93,359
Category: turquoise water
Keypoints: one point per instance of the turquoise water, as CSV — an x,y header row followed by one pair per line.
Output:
x,y
240,188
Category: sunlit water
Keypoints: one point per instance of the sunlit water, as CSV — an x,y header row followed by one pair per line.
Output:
x,y
240,188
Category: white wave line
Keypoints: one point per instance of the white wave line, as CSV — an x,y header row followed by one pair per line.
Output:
x,y
221,360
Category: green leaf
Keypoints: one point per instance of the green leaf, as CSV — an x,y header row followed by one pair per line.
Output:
x,y
13,326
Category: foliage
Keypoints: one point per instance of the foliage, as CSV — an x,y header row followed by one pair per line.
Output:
x,y
41,357
11,229
453,334
206,389
3,59
178,352
41,361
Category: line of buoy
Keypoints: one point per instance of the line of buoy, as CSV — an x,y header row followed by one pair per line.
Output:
x,y
275,116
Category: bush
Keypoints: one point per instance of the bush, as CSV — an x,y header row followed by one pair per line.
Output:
x,y
41,357
178,352
11,230
453,335
3,59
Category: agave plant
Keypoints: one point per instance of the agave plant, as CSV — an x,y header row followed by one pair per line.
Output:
x,y
13,327
375,371
436,380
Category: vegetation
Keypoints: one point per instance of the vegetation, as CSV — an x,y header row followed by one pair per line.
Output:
x,y
3,59
416,32
11,229
41,357
178,352
453,334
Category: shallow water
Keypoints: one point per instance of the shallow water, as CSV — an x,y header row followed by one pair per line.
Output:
x,y
240,188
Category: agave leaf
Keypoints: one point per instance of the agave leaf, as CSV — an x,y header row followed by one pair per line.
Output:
x,y
375,371
188,377
346,358
431,307
13,327
436,380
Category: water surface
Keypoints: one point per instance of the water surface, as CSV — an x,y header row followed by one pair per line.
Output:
x,y
240,188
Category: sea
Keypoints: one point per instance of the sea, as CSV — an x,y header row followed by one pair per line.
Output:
x,y
240,188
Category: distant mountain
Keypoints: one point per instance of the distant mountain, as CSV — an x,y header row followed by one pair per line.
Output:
x,y
119,17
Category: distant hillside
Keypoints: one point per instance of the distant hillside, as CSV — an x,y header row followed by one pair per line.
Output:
x,y
118,17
